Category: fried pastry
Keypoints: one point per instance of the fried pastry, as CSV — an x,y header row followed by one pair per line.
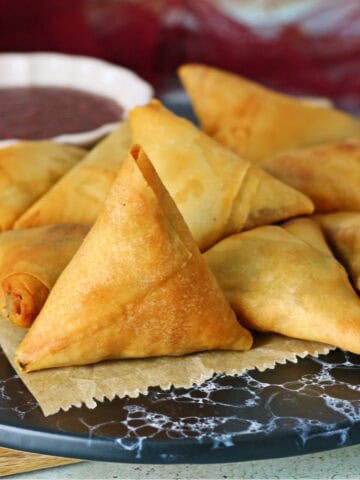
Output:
x,y
342,231
329,174
79,195
30,262
137,287
286,280
27,171
255,121
217,192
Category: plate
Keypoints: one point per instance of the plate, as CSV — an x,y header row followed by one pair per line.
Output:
x,y
296,408
309,406
79,72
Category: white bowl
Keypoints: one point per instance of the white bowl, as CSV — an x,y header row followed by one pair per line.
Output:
x,y
84,73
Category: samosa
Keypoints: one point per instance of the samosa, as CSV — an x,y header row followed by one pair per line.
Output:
x,y
30,262
286,280
137,287
342,231
217,192
329,174
27,171
79,195
255,121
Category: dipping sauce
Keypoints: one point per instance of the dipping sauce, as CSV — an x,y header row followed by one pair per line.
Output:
x,y
35,113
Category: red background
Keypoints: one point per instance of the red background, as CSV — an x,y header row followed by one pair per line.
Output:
x,y
153,37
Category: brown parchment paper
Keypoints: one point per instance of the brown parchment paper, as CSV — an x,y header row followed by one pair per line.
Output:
x,y
62,388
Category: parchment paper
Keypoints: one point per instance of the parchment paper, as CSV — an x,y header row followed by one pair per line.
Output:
x,y
62,388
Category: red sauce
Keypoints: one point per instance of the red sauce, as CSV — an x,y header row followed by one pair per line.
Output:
x,y
34,113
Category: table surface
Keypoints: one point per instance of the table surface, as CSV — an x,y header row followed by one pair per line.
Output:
x,y
342,463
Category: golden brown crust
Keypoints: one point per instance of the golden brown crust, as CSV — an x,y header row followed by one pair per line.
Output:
x,y
286,280
30,263
217,192
79,195
309,232
342,231
25,295
274,201
329,174
256,122
137,287
27,171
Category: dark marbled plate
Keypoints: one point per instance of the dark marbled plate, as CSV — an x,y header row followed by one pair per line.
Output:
x,y
296,408
309,406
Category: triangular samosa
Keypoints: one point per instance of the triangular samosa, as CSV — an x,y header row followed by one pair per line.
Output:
x,y
217,192
329,174
342,231
30,262
255,121
285,280
27,171
79,195
137,287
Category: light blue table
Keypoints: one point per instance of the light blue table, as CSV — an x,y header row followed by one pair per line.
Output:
x,y
337,464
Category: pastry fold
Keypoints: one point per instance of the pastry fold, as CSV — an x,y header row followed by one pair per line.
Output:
x,y
27,171
30,263
217,192
342,231
79,195
257,122
329,174
137,287
286,280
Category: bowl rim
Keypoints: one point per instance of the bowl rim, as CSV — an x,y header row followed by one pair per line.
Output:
x,y
143,90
